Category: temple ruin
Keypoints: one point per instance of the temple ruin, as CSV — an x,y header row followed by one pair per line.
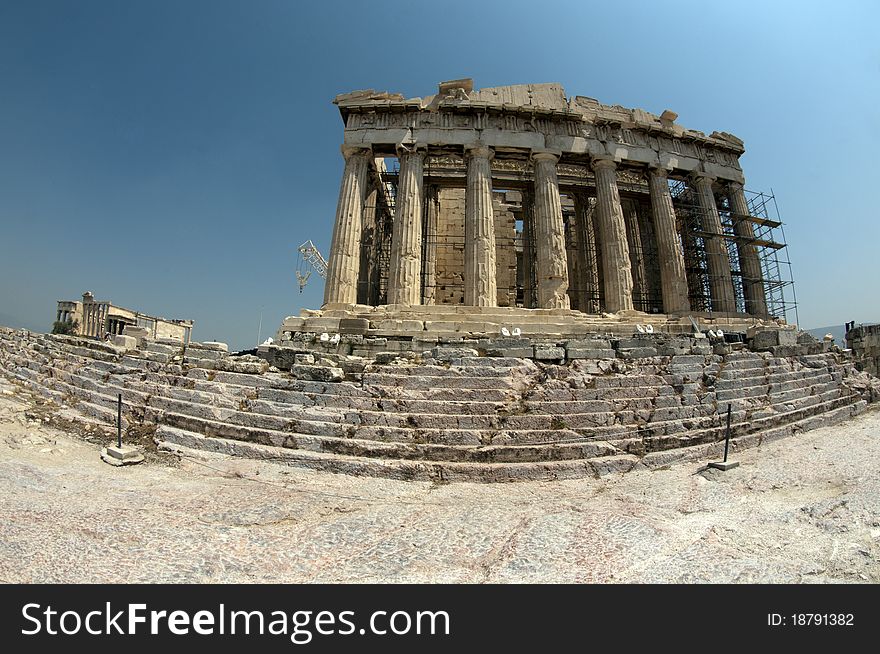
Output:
x,y
517,197
520,286
98,318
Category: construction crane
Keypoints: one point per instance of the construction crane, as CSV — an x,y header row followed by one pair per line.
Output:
x,y
309,259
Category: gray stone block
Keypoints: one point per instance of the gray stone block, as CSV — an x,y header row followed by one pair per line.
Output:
x,y
515,352
450,353
317,373
247,365
588,344
674,347
607,353
353,325
636,352
765,339
636,342
128,342
549,353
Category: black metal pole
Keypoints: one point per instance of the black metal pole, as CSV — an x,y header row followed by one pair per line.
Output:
x,y
726,438
119,422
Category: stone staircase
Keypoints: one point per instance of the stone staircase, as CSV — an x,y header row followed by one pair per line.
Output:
x,y
469,418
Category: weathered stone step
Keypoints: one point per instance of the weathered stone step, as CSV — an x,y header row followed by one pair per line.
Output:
x,y
181,440
728,395
462,372
187,443
782,381
409,450
762,406
757,376
798,380
278,381
406,381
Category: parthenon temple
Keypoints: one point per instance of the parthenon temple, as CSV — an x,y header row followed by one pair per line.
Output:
x,y
520,286
519,197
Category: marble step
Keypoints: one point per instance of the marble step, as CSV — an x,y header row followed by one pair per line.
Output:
x,y
189,443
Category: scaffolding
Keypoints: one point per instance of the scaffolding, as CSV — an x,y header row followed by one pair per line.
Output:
x,y
775,261
768,239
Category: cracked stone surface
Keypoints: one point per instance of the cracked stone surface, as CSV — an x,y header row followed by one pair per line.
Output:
x,y
802,509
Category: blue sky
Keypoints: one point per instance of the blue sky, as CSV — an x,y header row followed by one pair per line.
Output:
x,y
170,156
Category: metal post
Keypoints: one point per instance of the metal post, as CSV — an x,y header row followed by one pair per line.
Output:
x,y
726,438
119,422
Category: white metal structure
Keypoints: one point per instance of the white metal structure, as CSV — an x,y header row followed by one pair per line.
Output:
x,y
310,258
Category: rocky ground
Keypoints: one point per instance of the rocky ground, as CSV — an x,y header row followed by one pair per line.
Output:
x,y
802,509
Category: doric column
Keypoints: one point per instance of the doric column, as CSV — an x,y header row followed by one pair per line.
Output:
x,y
673,281
586,252
528,244
549,234
749,261
480,283
344,261
612,236
572,262
636,252
404,285
429,267
368,272
720,281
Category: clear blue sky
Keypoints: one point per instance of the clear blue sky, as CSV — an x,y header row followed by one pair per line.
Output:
x,y
171,155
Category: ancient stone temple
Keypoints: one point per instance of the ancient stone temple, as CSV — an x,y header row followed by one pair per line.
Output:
x,y
520,286
493,200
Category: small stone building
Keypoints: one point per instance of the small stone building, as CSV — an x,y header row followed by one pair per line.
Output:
x,y
99,317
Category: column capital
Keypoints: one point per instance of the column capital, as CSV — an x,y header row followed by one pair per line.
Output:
x,y
351,150
659,170
545,155
411,148
604,161
478,150
699,176
734,186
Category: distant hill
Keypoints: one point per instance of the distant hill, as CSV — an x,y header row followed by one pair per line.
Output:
x,y
837,331
7,320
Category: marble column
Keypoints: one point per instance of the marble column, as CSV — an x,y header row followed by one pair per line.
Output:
x,y
480,283
429,266
572,261
528,244
404,282
636,253
673,281
612,236
749,261
588,281
720,280
552,267
368,263
344,260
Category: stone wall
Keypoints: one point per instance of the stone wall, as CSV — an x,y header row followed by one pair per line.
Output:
x,y
865,343
450,247
505,250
